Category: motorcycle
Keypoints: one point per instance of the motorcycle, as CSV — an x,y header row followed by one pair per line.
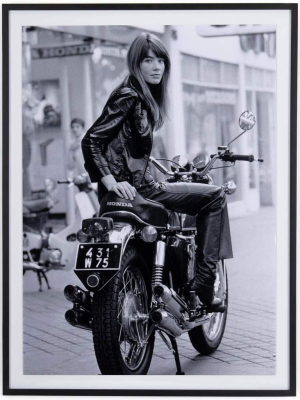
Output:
x,y
43,251
136,260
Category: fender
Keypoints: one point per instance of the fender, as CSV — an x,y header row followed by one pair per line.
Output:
x,y
122,236
84,205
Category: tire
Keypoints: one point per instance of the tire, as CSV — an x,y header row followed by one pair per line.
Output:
x,y
206,338
115,336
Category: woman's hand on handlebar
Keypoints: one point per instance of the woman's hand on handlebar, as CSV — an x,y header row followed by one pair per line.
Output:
x,y
122,189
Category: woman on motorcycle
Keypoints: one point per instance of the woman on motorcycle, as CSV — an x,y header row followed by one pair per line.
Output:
x,y
117,147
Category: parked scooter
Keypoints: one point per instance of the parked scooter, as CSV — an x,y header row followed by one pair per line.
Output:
x,y
43,251
136,261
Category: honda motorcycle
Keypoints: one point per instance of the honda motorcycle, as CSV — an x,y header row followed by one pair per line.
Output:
x,y
136,260
42,251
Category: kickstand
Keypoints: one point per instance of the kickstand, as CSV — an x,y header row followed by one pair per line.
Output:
x,y
176,356
174,350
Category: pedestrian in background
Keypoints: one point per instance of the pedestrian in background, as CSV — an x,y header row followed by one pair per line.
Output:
x,y
75,161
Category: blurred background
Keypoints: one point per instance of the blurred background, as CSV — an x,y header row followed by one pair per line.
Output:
x,y
217,73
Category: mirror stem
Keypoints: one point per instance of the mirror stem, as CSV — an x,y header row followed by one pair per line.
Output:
x,y
236,138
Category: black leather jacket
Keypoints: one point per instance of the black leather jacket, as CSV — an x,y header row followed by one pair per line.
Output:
x,y
120,141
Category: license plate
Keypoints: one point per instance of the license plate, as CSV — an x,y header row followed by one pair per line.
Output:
x,y
98,257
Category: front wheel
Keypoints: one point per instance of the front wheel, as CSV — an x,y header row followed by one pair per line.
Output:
x,y
120,319
206,338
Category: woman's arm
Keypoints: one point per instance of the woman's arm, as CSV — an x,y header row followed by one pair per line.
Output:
x,y
118,107
115,111
122,189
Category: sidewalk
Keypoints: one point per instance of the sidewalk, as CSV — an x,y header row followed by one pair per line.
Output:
x,y
53,347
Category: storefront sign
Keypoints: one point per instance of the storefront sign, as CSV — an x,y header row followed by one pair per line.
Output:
x,y
259,43
210,97
260,38
76,50
233,30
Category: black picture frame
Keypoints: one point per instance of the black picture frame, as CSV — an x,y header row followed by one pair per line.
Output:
x,y
6,9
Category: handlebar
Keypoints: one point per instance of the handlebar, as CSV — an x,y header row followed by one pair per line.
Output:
x,y
226,156
65,181
240,157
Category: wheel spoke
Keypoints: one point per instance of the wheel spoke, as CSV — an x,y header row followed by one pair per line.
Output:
x,y
121,330
132,307
210,326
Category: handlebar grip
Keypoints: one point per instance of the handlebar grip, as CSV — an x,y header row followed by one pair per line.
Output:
x,y
240,157
65,181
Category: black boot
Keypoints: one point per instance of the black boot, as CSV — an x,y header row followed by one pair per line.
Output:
x,y
203,285
206,295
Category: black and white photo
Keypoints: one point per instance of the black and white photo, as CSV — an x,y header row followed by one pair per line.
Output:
x,y
153,199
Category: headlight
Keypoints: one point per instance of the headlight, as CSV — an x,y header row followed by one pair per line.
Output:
x,y
82,237
149,234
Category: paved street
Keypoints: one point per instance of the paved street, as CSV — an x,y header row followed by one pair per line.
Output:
x,y
51,346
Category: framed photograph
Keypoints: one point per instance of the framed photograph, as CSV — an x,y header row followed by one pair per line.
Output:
x,y
149,199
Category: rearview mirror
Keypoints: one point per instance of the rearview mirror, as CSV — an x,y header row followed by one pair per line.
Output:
x,y
247,120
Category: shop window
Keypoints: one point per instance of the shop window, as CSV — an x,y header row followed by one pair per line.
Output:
x,y
190,67
109,72
248,73
210,121
251,149
263,103
230,74
260,78
210,71
269,79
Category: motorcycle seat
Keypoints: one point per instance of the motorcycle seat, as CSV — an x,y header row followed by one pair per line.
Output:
x,y
147,212
30,206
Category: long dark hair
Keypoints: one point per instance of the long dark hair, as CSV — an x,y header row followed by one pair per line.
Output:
x,y
155,96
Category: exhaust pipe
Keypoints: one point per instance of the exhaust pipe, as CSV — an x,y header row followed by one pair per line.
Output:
x,y
175,304
166,322
173,320
79,318
77,295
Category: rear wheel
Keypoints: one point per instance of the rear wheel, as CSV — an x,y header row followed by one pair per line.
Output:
x,y
120,320
206,338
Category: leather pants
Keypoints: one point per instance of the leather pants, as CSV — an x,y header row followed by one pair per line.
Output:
x,y
208,202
